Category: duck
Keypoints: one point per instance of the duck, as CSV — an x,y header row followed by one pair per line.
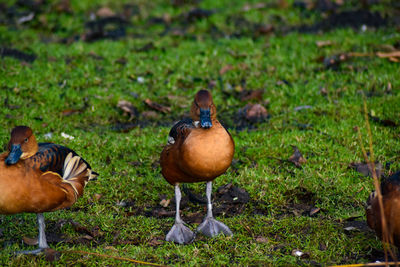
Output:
x,y
390,190
40,177
199,149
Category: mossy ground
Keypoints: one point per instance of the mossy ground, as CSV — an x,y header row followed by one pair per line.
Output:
x,y
90,78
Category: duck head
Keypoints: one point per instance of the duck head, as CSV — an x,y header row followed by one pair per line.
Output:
x,y
22,145
203,109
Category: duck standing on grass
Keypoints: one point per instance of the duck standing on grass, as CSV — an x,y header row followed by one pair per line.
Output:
x,y
390,190
198,150
39,178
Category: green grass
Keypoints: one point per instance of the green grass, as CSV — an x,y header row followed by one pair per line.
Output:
x,y
66,76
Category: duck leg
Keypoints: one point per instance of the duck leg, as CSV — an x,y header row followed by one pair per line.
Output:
x,y
210,226
179,233
41,239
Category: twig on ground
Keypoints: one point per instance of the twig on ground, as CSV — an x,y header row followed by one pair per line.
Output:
x,y
112,257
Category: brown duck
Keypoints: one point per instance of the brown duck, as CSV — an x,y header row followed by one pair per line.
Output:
x,y
39,178
198,150
390,189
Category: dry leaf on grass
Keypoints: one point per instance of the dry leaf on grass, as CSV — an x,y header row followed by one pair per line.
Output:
x,y
247,95
324,43
225,69
157,106
261,239
365,169
388,54
30,241
255,112
105,12
128,108
297,158
51,254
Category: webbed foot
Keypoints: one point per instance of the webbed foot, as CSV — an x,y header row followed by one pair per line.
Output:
x,y
180,234
211,227
31,252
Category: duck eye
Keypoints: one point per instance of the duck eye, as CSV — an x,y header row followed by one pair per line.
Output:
x,y
26,140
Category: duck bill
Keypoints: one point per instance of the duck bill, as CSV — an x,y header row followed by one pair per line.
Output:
x,y
14,155
205,118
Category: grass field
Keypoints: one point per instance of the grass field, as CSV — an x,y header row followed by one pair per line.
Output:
x,y
167,50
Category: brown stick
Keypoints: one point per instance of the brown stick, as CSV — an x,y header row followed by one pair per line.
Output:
x,y
112,257
386,238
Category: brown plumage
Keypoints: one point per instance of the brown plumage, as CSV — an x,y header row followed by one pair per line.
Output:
x,y
390,189
39,178
198,150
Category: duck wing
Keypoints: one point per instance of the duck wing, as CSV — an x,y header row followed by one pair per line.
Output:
x,y
181,129
52,157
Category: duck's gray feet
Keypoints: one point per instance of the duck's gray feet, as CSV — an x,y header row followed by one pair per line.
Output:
x,y
41,239
180,234
31,252
211,227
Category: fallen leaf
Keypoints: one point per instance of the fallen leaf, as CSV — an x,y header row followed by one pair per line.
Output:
x,y
30,241
333,62
156,241
69,112
248,6
105,12
51,254
121,60
146,47
297,158
225,69
63,6
251,95
157,106
97,197
165,202
314,211
111,248
95,56
149,114
128,108
89,233
365,170
255,112
265,29
88,237
324,43
261,239
388,54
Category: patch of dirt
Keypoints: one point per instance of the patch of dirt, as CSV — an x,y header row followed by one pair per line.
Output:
x,y
349,18
301,202
17,54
